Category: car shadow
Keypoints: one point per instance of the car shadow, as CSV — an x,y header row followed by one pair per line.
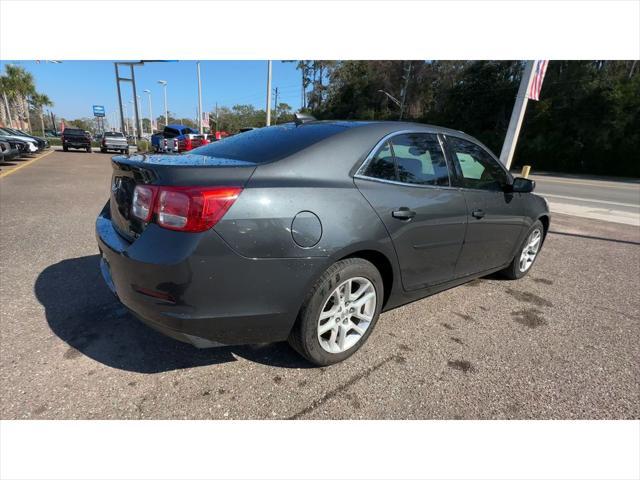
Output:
x,y
83,312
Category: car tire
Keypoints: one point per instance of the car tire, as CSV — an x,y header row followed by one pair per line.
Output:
x,y
126,152
342,339
527,253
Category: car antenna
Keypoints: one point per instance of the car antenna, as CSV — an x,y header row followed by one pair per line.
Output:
x,y
301,118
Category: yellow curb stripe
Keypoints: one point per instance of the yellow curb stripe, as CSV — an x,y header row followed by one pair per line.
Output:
x,y
26,164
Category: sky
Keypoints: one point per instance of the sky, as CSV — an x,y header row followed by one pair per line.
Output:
x,y
75,86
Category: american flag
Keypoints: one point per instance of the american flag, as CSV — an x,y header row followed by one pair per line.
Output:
x,y
539,68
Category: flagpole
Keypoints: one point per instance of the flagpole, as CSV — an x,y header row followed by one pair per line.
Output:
x,y
509,147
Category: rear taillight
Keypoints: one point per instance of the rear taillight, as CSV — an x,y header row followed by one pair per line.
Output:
x,y
187,209
187,143
143,200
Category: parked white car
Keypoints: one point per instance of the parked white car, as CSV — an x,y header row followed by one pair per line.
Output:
x,y
33,147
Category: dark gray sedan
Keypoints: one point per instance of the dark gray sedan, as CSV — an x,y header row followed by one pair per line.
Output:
x,y
307,231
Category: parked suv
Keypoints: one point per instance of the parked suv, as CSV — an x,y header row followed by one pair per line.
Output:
x,y
114,141
76,138
307,231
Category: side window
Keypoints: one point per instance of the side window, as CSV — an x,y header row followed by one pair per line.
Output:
x,y
382,165
420,159
479,169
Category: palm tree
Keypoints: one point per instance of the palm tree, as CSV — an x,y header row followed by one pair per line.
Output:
x,y
38,101
16,85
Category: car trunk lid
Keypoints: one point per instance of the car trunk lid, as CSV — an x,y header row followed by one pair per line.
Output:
x,y
167,170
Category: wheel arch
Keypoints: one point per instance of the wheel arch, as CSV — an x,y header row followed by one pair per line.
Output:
x,y
382,263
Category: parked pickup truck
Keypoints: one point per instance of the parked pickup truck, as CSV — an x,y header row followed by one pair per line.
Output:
x,y
76,138
114,141
176,139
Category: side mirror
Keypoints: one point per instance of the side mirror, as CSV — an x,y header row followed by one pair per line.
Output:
x,y
522,185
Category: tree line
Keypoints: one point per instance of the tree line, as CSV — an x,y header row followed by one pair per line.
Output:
x,y
587,119
21,105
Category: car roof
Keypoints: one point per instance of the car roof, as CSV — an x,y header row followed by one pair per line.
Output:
x,y
390,124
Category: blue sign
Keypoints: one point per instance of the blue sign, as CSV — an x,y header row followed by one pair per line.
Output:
x,y
98,111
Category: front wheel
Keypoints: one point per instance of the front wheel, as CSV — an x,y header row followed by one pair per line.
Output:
x,y
527,254
339,312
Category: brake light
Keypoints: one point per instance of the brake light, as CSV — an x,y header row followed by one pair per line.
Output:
x,y
187,143
142,206
186,209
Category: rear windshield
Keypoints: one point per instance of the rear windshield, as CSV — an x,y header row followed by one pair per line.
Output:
x,y
113,134
265,145
74,131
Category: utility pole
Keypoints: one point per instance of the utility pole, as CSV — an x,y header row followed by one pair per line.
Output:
x,y
275,107
166,111
199,100
304,94
42,120
268,92
217,127
53,122
509,147
134,123
125,124
141,125
148,92
403,94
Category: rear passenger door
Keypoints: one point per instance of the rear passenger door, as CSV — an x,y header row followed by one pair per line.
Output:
x,y
495,217
407,181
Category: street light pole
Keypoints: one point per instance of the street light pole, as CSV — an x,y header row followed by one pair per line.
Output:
x,y
125,121
141,125
199,100
148,92
135,120
166,111
268,93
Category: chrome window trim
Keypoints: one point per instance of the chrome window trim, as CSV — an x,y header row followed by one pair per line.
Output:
x,y
402,184
491,155
360,172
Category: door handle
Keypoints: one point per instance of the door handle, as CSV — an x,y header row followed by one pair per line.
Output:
x,y
403,213
478,213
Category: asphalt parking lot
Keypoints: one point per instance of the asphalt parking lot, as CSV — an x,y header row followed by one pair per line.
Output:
x,y
562,343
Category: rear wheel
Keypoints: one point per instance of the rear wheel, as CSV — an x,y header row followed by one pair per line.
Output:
x,y
339,313
527,254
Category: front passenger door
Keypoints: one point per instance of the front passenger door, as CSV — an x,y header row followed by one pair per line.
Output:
x,y
495,217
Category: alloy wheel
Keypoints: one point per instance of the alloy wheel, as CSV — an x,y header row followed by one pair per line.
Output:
x,y
346,315
530,250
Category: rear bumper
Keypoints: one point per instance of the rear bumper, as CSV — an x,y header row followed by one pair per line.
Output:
x,y
76,145
195,288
